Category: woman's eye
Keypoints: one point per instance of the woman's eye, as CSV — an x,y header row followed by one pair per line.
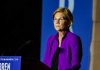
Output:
x,y
60,19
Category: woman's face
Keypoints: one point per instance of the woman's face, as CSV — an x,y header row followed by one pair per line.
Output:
x,y
59,22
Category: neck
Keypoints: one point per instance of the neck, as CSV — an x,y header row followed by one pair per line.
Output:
x,y
61,34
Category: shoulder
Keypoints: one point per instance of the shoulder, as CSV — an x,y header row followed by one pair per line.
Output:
x,y
74,40
51,38
72,35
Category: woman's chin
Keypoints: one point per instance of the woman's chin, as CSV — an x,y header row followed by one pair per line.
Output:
x,y
58,30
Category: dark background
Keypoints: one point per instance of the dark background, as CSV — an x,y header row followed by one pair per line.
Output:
x,y
20,30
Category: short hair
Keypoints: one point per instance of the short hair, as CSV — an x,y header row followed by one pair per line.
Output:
x,y
67,13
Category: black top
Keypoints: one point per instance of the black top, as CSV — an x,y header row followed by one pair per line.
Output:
x,y
55,59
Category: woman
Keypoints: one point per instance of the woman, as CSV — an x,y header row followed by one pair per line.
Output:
x,y
64,50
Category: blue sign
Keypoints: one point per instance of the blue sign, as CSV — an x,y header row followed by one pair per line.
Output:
x,y
82,25
10,62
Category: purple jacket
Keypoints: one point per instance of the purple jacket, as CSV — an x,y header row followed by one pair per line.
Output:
x,y
70,54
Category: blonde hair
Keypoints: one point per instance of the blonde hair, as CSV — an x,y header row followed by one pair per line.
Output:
x,y
67,14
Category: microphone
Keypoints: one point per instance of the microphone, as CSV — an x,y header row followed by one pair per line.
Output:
x,y
22,46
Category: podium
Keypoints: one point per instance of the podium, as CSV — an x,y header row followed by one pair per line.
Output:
x,y
42,66
30,64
